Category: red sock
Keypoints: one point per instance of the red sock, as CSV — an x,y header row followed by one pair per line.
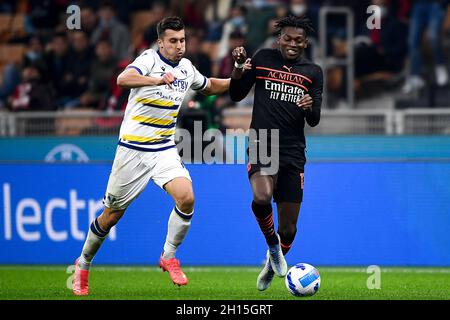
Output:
x,y
264,217
285,248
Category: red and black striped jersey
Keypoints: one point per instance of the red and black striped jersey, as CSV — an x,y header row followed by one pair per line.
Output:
x,y
279,83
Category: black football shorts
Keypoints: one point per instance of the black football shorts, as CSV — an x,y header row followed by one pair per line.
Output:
x,y
289,182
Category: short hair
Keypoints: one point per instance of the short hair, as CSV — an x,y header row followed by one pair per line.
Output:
x,y
61,35
107,4
237,34
302,22
106,41
169,23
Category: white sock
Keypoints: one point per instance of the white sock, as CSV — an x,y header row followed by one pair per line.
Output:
x,y
94,240
177,229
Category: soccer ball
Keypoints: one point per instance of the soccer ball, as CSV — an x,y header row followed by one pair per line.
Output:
x,y
302,280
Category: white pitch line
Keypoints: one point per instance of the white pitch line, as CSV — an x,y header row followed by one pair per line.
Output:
x,y
228,269
388,269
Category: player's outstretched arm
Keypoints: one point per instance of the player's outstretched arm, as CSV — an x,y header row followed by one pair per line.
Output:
x,y
216,86
131,78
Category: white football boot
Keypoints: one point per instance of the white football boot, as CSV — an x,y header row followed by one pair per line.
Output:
x,y
277,261
265,277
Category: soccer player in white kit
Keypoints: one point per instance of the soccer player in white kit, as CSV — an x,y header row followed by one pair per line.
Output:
x,y
159,81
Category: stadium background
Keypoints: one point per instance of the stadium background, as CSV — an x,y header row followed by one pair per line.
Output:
x,y
377,188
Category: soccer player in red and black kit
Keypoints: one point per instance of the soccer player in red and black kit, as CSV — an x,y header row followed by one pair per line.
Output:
x,y
288,93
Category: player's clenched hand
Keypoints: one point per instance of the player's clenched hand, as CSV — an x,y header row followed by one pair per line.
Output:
x,y
239,55
248,64
305,102
168,79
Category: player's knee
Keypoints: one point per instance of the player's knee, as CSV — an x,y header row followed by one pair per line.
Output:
x,y
185,202
262,197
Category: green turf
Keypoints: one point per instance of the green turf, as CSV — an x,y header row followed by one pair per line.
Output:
x,y
217,283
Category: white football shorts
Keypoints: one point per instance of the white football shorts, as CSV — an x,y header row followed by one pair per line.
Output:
x,y
132,169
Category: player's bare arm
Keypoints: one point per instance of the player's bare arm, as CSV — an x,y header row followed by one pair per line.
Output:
x,y
216,86
131,78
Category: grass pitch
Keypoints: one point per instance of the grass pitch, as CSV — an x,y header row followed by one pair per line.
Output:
x,y
219,283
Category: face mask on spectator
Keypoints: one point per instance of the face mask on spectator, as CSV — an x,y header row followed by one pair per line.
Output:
x,y
32,55
106,23
237,21
299,9
259,3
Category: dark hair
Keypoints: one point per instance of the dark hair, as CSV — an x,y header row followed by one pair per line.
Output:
x,y
169,23
237,34
105,41
107,4
59,35
302,22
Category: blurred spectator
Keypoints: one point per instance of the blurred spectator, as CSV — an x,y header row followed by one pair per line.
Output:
x,y
336,31
33,94
117,98
298,7
379,55
236,22
57,61
271,42
76,76
216,14
199,59
34,55
308,8
237,39
383,49
358,7
192,12
400,9
111,29
259,14
194,53
10,79
7,6
100,75
44,14
429,13
159,11
88,20
35,51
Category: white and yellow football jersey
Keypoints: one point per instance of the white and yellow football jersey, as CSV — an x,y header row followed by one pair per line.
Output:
x,y
151,113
